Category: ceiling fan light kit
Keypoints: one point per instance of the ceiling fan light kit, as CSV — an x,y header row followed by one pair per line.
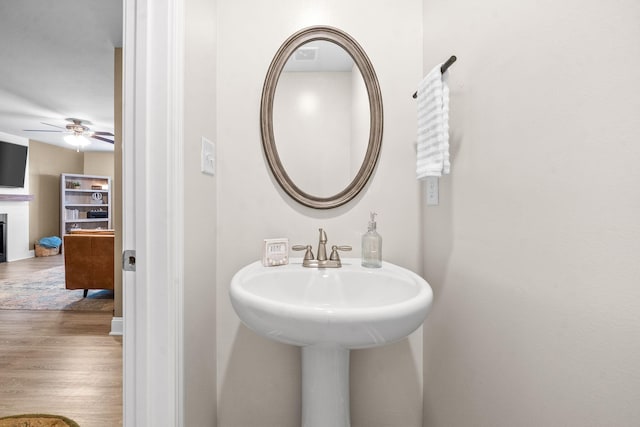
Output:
x,y
76,140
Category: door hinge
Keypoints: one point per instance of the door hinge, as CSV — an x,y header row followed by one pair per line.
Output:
x,y
129,260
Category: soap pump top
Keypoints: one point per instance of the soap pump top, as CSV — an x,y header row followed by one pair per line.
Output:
x,y
372,222
372,245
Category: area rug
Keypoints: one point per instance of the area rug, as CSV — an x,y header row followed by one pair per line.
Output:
x,y
44,290
37,420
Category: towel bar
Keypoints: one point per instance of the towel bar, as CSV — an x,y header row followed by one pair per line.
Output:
x,y
442,69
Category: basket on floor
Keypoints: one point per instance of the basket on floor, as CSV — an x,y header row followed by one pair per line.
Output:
x,y
42,251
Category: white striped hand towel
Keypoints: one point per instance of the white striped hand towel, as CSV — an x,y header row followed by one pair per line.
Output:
x,y
433,125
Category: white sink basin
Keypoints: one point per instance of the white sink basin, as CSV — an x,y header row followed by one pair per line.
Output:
x,y
328,312
351,306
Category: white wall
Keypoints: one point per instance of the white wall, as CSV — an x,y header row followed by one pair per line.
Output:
x,y
199,216
534,251
17,212
258,380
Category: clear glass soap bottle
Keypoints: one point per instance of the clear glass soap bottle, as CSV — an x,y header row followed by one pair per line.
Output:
x,y
372,245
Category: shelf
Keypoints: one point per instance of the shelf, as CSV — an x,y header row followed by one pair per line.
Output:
x,y
79,190
88,205
16,197
87,220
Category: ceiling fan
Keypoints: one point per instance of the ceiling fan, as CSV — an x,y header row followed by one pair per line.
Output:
x,y
77,130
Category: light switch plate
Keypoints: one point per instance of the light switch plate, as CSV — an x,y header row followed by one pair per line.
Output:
x,y
208,157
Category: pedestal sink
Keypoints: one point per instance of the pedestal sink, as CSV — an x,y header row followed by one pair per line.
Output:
x,y
328,312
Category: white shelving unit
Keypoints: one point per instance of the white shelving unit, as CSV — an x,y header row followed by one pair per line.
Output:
x,y
85,202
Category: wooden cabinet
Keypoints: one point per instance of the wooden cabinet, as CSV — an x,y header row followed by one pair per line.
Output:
x,y
85,202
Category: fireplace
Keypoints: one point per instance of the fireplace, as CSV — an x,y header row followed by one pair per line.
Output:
x,y
3,237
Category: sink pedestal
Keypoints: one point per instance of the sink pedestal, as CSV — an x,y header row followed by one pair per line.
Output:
x,y
325,386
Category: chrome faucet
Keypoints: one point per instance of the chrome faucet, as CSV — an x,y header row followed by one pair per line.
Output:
x,y
321,261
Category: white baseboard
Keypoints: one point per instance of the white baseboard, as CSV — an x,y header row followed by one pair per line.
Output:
x,y
116,326
26,255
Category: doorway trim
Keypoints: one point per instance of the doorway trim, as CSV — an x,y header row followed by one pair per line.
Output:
x,y
153,220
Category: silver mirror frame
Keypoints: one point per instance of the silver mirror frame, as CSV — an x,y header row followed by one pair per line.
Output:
x,y
359,56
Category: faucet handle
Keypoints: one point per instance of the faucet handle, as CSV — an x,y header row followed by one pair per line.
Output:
x,y
308,255
334,252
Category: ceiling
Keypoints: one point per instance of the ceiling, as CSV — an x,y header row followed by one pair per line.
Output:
x,y
57,62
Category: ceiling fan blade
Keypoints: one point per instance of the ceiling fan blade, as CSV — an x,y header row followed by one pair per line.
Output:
x,y
103,133
102,139
55,126
40,130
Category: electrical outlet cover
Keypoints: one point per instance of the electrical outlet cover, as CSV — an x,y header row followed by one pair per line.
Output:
x,y
432,191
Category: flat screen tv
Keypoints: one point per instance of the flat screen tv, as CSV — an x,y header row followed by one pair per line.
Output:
x,y
13,164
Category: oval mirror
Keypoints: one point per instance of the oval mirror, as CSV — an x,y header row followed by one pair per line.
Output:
x,y
321,117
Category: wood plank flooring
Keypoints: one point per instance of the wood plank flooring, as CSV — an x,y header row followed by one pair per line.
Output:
x,y
29,265
59,362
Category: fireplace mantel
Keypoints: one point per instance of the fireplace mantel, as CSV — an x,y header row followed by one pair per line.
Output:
x,y
16,197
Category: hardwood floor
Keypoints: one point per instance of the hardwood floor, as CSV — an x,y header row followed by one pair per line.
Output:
x,y
29,265
59,362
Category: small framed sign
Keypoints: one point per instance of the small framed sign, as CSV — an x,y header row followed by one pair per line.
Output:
x,y
275,252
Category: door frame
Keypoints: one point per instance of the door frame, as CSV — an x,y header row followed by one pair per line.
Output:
x,y
153,224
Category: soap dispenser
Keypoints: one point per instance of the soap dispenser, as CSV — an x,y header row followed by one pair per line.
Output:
x,y
372,245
